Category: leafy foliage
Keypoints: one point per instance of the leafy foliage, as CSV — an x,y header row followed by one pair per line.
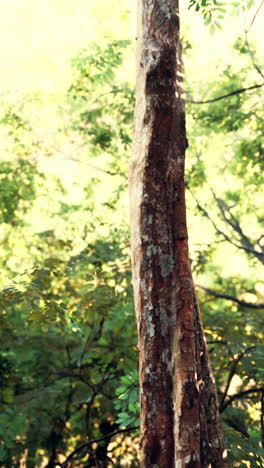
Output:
x,y
67,326
17,190
128,400
95,88
224,201
214,11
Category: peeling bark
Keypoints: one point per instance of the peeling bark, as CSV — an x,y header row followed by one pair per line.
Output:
x,y
180,425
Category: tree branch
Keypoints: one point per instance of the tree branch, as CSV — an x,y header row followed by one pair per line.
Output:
x,y
233,222
246,248
214,293
86,446
255,65
237,427
93,167
255,15
246,243
216,342
241,90
241,395
231,375
224,96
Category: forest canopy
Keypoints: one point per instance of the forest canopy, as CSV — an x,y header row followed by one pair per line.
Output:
x,y
68,352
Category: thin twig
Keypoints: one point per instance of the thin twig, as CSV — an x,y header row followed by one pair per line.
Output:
x,y
93,167
257,254
88,444
233,222
237,427
241,395
255,65
231,375
224,96
255,15
214,293
216,342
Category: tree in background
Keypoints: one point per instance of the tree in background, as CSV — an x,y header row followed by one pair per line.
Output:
x,y
67,324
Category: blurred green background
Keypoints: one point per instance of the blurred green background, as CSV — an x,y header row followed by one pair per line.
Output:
x,y
68,355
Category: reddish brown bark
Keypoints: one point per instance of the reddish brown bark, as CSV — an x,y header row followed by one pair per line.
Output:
x,y
180,425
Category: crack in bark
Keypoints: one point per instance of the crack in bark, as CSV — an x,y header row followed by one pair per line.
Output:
x,y
180,424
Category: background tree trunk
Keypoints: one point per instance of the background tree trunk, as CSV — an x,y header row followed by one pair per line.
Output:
x,y
180,425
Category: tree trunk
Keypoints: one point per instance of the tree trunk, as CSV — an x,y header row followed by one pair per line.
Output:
x,y
180,425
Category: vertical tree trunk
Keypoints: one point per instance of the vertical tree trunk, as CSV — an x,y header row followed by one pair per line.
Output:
x,y
180,425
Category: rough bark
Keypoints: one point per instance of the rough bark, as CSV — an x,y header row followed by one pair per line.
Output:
x,y
180,424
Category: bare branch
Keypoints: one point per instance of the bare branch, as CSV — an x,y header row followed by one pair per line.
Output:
x,y
224,96
94,167
239,395
255,15
237,427
216,342
246,243
232,221
255,65
241,90
231,375
246,248
214,293
258,241
86,446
